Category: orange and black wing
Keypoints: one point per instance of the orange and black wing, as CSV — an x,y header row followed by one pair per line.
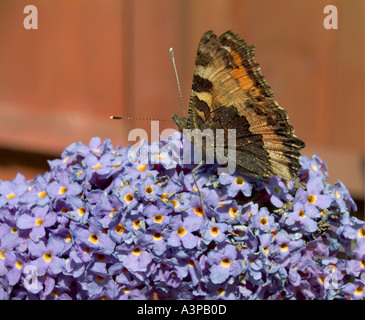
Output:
x,y
230,92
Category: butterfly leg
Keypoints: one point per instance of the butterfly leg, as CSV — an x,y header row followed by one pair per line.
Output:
x,y
196,184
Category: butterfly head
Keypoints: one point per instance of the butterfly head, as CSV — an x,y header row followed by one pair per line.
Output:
x,y
182,123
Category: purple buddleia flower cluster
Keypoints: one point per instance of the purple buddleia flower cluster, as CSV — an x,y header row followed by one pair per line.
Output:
x,y
104,224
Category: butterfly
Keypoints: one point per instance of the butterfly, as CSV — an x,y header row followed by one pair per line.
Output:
x,y
229,92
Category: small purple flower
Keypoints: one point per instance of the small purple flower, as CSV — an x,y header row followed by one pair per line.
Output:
x,y
355,290
171,150
63,187
43,218
157,216
124,277
312,198
314,167
79,210
196,269
248,211
11,193
37,194
294,277
60,288
201,178
94,237
224,263
255,270
195,206
3,268
96,285
138,157
263,220
135,258
181,233
117,164
15,263
229,211
170,274
278,189
170,186
139,154
106,208
117,230
79,258
69,154
357,266
46,256
342,197
95,147
135,222
128,292
216,232
246,237
148,189
224,291
156,242
98,165
235,184
298,220
128,198
265,243
179,202
355,230
139,171
78,174
164,158
11,237
286,246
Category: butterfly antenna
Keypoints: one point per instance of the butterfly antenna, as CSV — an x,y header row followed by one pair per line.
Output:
x,y
177,80
130,118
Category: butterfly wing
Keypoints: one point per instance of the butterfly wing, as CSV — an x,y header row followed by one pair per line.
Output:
x,y
230,92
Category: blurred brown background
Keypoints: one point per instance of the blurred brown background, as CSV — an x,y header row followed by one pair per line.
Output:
x,y
90,59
